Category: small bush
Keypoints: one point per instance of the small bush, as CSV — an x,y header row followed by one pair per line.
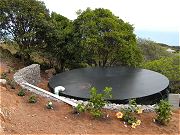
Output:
x,y
127,114
11,69
49,105
168,66
32,99
163,112
80,108
12,83
4,75
21,92
96,102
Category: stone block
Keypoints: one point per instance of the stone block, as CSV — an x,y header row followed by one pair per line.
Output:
x,y
174,100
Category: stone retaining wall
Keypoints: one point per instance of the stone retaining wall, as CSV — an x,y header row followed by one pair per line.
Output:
x,y
30,74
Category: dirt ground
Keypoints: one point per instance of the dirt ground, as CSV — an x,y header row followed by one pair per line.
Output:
x,y
20,117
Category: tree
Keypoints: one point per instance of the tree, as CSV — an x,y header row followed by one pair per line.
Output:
x,y
105,40
58,40
21,21
152,50
168,66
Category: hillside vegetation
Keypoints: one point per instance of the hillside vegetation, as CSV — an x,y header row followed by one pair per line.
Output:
x,y
156,58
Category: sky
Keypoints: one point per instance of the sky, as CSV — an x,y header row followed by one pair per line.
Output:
x,y
158,20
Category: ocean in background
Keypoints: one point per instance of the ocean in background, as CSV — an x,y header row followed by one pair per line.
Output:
x,y
166,37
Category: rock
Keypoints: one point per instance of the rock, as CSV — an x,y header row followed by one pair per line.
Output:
x,y
33,115
30,74
3,82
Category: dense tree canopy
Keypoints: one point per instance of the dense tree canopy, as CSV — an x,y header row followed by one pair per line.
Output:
x,y
168,66
152,50
20,20
105,40
58,40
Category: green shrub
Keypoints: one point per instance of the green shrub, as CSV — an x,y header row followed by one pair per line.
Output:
x,y
5,53
32,99
127,114
133,104
80,108
49,105
168,66
21,92
163,112
11,70
175,87
11,83
152,50
96,102
4,75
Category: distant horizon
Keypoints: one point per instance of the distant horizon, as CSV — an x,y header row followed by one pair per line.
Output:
x,y
170,38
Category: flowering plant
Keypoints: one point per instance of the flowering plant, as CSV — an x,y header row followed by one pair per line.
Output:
x,y
49,105
163,112
127,114
119,115
139,110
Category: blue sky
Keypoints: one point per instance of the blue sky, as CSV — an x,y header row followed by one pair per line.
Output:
x,y
154,19
166,37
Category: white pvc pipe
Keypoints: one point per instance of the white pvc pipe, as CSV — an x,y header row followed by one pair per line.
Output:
x,y
51,94
58,89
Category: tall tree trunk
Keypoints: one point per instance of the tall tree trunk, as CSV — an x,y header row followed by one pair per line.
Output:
x,y
60,66
25,57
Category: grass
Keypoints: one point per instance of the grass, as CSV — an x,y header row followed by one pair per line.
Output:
x,y
12,48
35,56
